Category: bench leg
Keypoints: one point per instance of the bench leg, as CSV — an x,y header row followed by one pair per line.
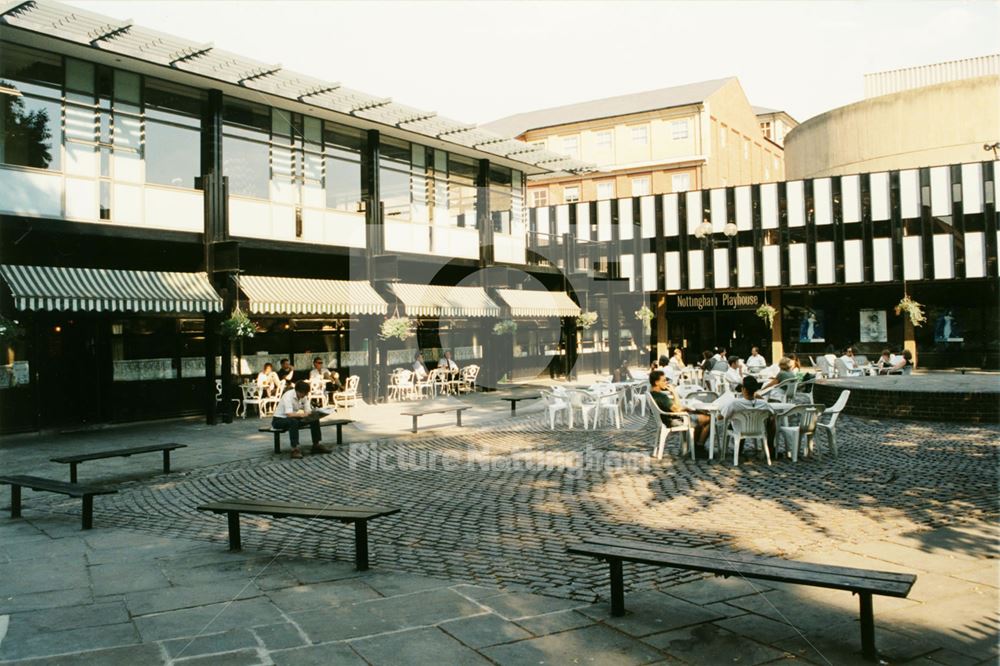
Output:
x,y
166,462
458,412
361,545
72,472
88,511
15,501
617,588
867,627
340,433
277,442
234,530
414,429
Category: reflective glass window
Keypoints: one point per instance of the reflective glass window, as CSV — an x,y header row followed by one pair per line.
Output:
x,y
462,191
394,175
31,71
173,154
31,133
342,147
246,156
500,198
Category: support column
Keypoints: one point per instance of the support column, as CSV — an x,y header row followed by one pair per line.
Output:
x,y
777,346
910,338
374,243
662,348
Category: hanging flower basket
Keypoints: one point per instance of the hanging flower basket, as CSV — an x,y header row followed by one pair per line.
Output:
x,y
396,327
914,310
586,319
238,326
645,315
767,312
10,330
504,327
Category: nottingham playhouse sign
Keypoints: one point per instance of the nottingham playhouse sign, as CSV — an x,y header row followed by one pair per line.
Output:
x,y
726,300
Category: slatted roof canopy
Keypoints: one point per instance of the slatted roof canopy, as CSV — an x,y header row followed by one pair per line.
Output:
x,y
305,296
146,44
527,303
423,300
107,290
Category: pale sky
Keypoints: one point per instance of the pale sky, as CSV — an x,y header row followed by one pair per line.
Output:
x,y
479,61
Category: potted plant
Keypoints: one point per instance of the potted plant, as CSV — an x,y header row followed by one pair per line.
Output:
x,y
586,319
504,327
397,327
767,312
646,316
914,310
10,330
238,326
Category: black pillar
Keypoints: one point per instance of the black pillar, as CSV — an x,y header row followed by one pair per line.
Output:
x,y
374,244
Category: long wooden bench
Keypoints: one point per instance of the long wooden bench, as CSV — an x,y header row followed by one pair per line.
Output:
x,y
52,486
863,582
73,461
277,432
359,515
436,407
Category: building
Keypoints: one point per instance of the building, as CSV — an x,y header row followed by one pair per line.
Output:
x,y
910,118
694,136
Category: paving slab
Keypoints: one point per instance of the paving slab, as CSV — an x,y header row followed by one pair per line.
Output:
x,y
650,613
17,579
212,618
45,643
710,644
417,647
551,623
484,630
339,654
14,603
226,641
238,658
758,627
517,605
67,617
713,589
126,577
147,654
841,643
322,595
176,597
281,636
589,645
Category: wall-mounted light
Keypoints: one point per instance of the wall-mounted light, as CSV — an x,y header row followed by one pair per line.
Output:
x,y
57,329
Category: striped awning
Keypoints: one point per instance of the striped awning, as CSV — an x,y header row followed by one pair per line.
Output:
x,y
524,303
305,296
106,290
423,300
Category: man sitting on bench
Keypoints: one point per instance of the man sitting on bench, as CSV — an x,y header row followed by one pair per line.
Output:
x,y
293,410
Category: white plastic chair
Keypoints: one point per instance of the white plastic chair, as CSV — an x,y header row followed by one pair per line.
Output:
x,y
804,392
556,405
584,402
468,382
681,424
843,371
781,392
637,397
349,396
747,424
401,384
796,425
830,427
317,392
610,403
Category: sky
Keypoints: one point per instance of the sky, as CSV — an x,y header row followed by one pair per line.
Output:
x,y
480,61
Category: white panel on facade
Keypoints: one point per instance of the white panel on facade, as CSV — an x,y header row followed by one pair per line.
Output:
x,y
909,194
283,222
81,160
879,183
313,196
772,265
628,270
313,225
944,257
649,271
882,259
167,208
972,188
941,191
718,202
854,266
126,206
604,220
850,197
823,201
583,221
720,272
81,199
647,216
670,224
455,242
542,220
509,250
825,263
346,229
795,196
625,219
975,254
695,213
744,267
744,209
128,168
696,269
769,206
30,193
562,219
797,272
249,218
913,258
672,270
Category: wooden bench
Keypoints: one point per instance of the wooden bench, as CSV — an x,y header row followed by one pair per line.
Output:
x,y
49,485
359,515
436,407
73,461
863,582
340,423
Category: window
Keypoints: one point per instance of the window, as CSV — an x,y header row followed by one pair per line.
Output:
x,y
606,190
571,193
602,140
462,191
31,125
779,132
394,170
679,130
746,149
722,136
571,145
539,198
342,148
640,135
245,152
767,174
766,129
680,182
501,185
173,134
640,186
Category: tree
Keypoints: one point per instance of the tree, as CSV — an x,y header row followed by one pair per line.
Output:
x,y
27,139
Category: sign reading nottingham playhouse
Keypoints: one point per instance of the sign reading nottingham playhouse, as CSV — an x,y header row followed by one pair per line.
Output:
x,y
723,300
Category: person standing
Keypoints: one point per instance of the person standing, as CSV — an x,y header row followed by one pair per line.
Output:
x,y
292,408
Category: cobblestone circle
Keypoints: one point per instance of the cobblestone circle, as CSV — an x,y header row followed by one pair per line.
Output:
x,y
480,506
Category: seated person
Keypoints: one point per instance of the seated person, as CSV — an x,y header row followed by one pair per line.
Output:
x,y
734,375
797,369
707,361
904,366
267,380
292,408
848,360
286,372
785,373
749,399
755,361
666,398
622,374
448,364
419,369
332,378
885,362
677,360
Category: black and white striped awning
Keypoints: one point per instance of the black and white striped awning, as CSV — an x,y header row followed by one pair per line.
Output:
x,y
429,300
527,303
106,290
303,296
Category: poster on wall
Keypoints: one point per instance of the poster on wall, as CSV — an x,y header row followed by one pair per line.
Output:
x,y
811,327
873,327
946,328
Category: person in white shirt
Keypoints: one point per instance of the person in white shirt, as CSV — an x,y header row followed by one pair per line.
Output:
x,y
720,360
734,376
267,380
332,378
749,400
677,360
419,369
755,360
449,364
848,360
292,408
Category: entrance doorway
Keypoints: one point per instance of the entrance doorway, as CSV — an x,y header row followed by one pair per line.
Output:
x,y
70,377
736,330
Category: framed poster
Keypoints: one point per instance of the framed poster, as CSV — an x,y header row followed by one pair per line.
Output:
x,y
873,326
811,327
946,328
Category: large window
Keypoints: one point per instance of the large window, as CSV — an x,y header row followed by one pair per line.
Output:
x,y
31,125
679,130
173,134
501,192
246,128
606,189
571,193
462,191
640,134
343,147
394,174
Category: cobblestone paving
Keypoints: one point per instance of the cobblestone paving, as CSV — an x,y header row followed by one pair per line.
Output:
x,y
498,505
